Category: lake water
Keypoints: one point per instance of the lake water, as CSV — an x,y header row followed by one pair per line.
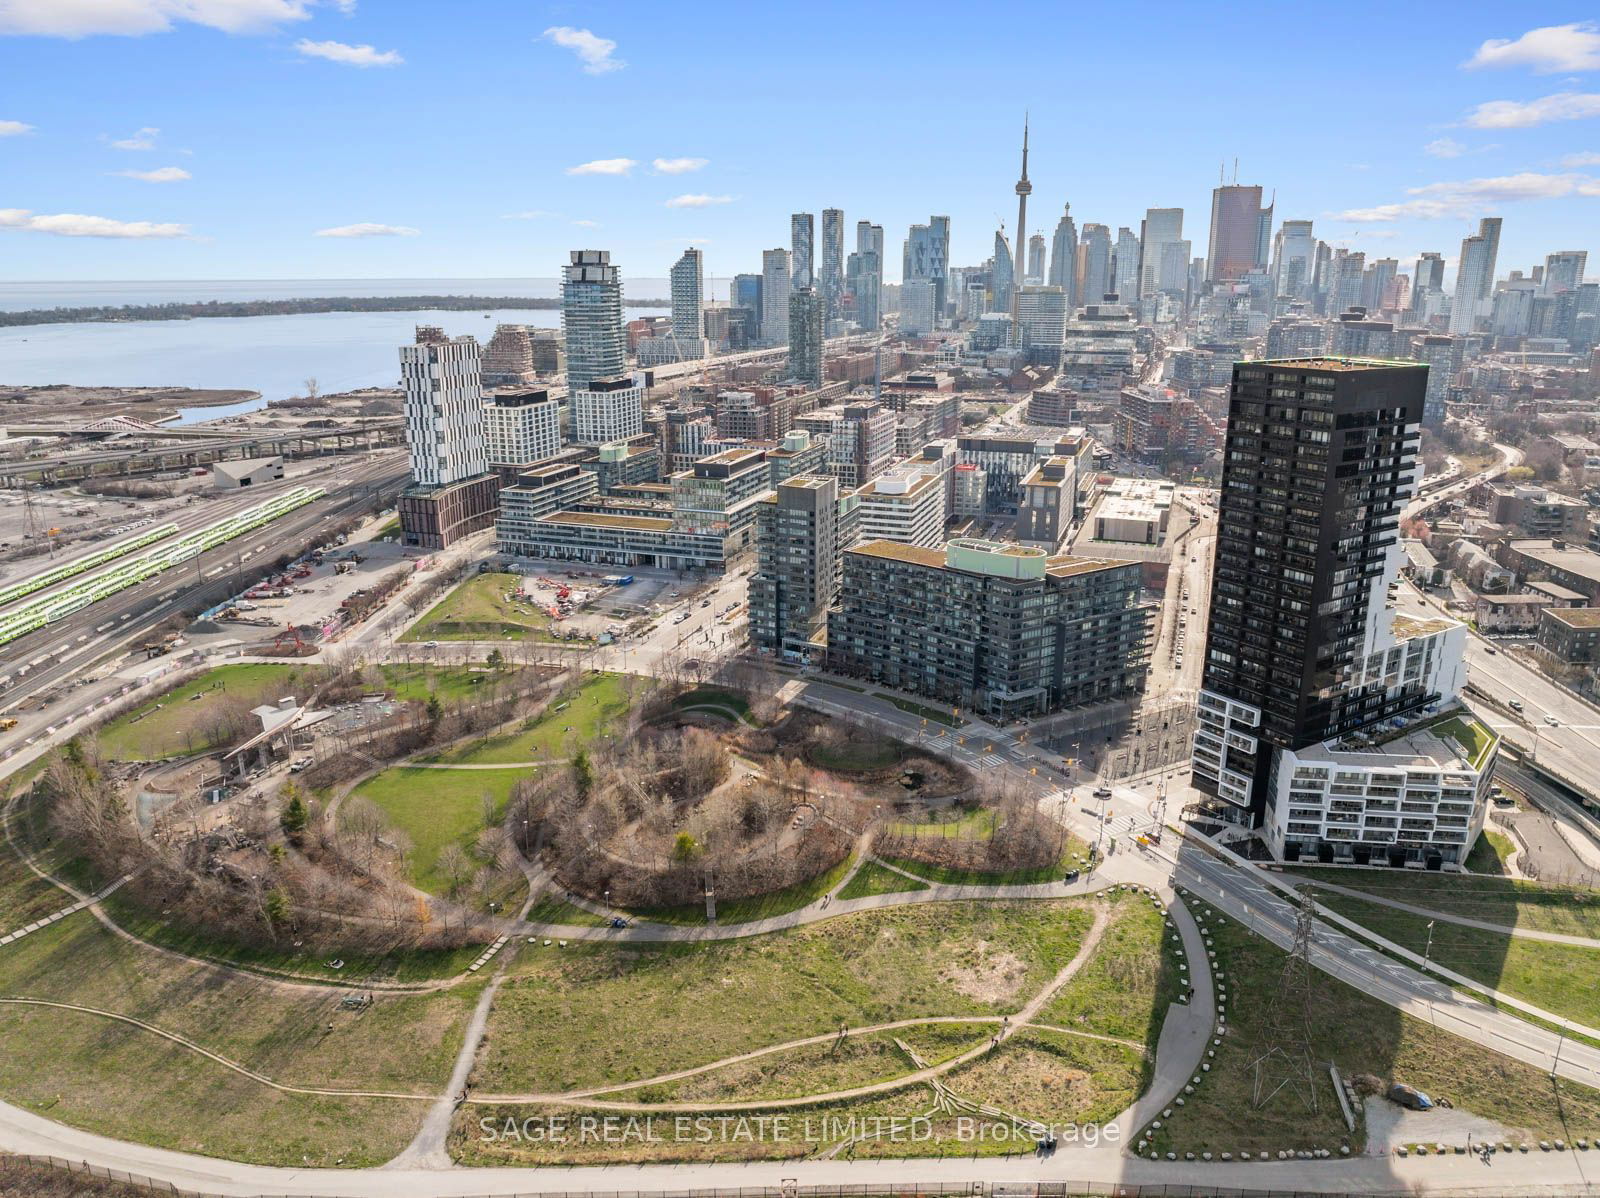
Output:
x,y
270,354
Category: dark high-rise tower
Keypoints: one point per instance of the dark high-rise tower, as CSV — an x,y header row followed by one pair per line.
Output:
x,y
1320,457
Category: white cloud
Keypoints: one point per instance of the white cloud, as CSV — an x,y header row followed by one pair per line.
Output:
x,y
587,224
71,224
594,52
1437,201
678,166
142,139
347,7
14,128
162,174
697,201
1587,158
350,56
603,166
134,18
1524,114
367,229
1548,50
1444,147
532,214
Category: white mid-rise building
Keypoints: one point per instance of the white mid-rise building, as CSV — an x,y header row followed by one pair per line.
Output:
x,y
522,429
607,410
918,307
443,382
908,507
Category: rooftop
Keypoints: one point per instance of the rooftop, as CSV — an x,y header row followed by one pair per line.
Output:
x,y
1331,364
1453,741
1562,555
607,520
1408,627
1575,617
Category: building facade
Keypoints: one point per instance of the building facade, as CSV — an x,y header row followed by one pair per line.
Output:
x,y
522,428
1002,629
591,318
802,529
608,409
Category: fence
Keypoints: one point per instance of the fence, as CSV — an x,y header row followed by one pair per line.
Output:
x,y
967,1189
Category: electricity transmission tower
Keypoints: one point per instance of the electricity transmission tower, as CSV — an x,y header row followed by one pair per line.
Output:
x,y
1282,1052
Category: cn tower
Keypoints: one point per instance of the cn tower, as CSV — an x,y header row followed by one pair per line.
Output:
x,y
1024,190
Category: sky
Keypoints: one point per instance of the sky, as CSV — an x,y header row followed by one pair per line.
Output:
x,y
244,139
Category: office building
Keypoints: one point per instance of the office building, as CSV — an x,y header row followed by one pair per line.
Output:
x,y
1098,347
1005,630
745,292
1308,671
1241,231
1125,266
1475,277
1064,257
806,326
591,318
918,303
521,428
831,275
1094,268
1036,260
1161,227
607,410
1049,501
802,530
775,270
802,242
1563,271
1294,260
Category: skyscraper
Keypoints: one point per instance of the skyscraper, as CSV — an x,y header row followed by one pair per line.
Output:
x,y
1475,276
1377,282
802,238
864,280
1320,457
1161,227
1024,190
591,318
1125,267
1035,274
806,327
1064,257
832,274
746,293
1042,321
1002,282
1240,233
443,408
775,273
917,302
1094,266
687,282
1563,270
927,256
1294,258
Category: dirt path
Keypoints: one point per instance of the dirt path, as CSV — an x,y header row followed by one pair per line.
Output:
x,y
1009,1024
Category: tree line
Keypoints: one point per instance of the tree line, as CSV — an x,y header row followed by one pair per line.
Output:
x,y
293,307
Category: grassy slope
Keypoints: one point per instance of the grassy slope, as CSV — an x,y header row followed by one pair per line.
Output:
x,y
435,808
591,710
149,731
873,878
1498,900
477,610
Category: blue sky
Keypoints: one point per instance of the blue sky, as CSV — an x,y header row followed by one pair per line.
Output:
x,y
439,138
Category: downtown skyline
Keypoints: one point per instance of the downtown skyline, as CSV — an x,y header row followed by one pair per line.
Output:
x,y
492,144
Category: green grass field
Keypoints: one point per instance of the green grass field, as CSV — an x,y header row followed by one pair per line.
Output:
x,y
435,808
952,822
121,1080
1557,977
1073,856
478,610
710,696
574,719
1490,854
938,715
1512,902
175,723
1360,1035
450,683
703,1002
862,753
873,878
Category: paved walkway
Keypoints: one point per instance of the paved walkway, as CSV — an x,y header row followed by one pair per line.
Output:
x,y
58,916
1465,921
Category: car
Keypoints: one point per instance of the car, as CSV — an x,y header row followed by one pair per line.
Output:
x,y
1552,721
618,922
1102,792
1071,877
430,645
1515,705
705,603
1490,650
